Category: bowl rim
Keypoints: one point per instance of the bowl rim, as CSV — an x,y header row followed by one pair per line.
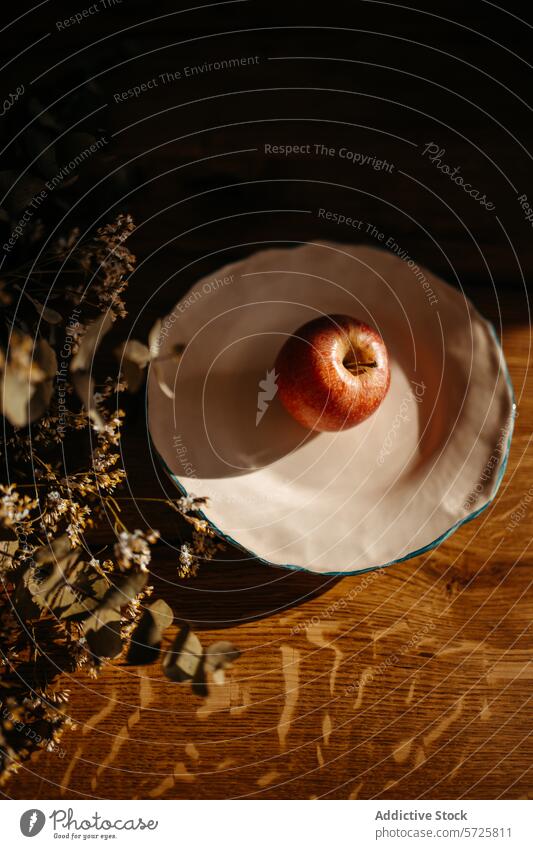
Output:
x,y
416,553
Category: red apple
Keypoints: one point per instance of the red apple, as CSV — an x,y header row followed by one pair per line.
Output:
x,y
333,373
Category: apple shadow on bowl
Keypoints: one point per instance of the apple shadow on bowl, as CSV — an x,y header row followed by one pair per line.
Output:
x,y
232,425
235,425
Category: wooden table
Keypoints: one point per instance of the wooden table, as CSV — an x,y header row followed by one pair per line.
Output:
x,y
411,683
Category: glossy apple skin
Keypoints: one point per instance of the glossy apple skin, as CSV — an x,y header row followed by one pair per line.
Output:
x,y
314,384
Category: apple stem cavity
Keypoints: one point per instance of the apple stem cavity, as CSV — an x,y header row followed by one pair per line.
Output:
x,y
355,367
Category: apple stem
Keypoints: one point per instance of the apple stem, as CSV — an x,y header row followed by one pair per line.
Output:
x,y
356,367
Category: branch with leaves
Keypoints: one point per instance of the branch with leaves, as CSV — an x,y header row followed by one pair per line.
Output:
x,y
65,602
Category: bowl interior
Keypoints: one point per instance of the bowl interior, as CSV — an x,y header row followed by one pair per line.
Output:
x,y
430,457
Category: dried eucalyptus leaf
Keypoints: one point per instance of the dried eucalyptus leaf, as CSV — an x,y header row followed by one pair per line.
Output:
x,y
134,351
133,357
102,630
27,381
175,353
164,387
82,359
146,641
46,358
23,601
133,375
162,615
46,584
47,313
182,661
84,386
55,550
154,338
15,395
125,590
8,547
218,656
89,589
47,361
40,400
71,588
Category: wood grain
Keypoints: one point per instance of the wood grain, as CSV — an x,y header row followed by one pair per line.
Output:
x,y
411,683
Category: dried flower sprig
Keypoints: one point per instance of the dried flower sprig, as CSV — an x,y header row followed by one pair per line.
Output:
x,y
64,607
107,264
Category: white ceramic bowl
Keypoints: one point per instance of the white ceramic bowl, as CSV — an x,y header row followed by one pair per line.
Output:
x,y
429,459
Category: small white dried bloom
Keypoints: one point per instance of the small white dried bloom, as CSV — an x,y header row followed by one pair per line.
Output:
x,y
132,549
14,508
186,503
188,562
190,503
55,507
186,555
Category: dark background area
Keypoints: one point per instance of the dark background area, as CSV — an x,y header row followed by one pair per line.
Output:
x,y
380,79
